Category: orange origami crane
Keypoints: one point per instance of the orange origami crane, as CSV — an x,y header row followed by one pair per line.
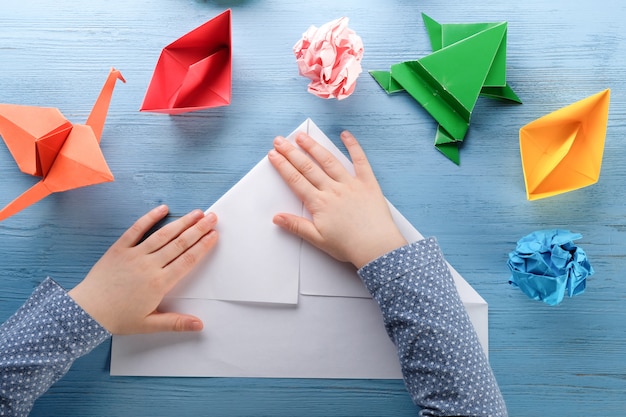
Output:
x,y
562,151
45,144
194,72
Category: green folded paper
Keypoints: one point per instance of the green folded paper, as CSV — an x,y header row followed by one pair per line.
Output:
x,y
468,61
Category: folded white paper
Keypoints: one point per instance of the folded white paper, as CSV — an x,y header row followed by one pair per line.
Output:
x,y
273,305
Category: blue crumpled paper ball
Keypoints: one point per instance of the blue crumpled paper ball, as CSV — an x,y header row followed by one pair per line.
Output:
x,y
546,265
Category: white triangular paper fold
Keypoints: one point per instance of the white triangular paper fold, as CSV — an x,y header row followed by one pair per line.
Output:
x,y
274,306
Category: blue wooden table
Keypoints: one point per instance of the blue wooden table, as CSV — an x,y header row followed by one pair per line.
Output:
x,y
568,360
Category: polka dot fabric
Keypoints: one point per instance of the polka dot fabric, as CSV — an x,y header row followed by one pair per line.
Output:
x,y
445,369
39,343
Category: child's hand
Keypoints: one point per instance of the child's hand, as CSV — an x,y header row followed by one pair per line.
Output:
x,y
351,220
124,288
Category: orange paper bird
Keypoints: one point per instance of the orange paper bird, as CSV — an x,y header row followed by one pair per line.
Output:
x,y
45,144
562,151
194,72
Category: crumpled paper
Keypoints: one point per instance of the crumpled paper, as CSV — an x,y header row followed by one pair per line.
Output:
x,y
330,56
546,265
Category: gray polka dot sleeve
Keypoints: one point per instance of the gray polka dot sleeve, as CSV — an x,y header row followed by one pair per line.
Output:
x,y
444,367
39,343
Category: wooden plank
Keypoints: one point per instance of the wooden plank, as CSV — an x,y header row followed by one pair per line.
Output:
x,y
567,360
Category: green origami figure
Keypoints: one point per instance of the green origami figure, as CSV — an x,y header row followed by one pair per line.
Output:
x,y
468,61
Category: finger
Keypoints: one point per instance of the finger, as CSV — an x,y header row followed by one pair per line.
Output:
x,y
327,161
294,179
302,162
186,239
362,167
298,226
186,261
171,322
170,231
134,234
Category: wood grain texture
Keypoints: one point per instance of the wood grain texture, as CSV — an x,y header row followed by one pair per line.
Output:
x,y
568,360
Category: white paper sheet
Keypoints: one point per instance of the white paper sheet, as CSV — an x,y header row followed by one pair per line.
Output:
x,y
256,340
298,313
268,270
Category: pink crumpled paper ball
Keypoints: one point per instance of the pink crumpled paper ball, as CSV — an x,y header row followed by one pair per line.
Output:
x,y
330,56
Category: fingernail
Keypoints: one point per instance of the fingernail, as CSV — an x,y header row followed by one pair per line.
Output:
x,y
348,138
280,220
196,325
301,137
211,217
161,209
278,140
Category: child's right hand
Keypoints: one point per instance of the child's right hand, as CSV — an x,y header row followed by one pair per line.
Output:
x,y
351,220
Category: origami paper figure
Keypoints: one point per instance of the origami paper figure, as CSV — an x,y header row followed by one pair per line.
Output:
x,y
45,144
469,60
546,265
194,72
293,311
562,151
330,56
